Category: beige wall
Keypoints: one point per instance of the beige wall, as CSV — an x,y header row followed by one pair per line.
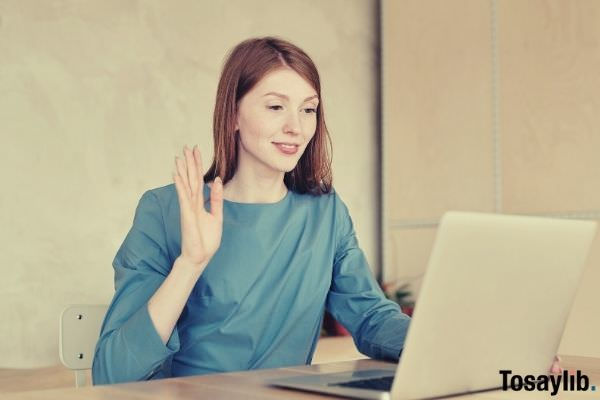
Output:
x,y
96,98
491,106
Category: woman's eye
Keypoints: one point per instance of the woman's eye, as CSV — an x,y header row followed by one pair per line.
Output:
x,y
307,110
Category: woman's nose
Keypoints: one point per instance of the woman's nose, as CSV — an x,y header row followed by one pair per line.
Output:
x,y
293,123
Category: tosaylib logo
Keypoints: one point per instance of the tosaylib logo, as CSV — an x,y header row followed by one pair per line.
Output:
x,y
567,381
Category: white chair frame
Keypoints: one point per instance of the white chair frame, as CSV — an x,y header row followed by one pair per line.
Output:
x,y
79,330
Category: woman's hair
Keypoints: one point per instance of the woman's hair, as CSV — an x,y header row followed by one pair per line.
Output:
x,y
244,67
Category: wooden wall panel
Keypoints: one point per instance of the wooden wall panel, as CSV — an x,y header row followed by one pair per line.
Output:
x,y
491,106
436,108
550,97
437,146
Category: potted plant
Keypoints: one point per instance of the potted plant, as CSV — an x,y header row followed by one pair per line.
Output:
x,y
401,295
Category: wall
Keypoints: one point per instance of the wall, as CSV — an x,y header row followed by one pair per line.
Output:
x,y
97,97
491,106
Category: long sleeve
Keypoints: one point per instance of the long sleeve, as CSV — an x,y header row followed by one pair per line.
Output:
x,y
129,347
377,324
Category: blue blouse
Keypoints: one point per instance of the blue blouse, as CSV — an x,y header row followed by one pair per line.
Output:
x,y
258,304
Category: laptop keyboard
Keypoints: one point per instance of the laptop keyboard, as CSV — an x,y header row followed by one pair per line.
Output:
x,y
383,384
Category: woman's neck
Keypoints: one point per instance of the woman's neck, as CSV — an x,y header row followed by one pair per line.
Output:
x,y
255,191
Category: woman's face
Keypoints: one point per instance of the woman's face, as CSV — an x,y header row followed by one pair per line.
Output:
x,y
280,109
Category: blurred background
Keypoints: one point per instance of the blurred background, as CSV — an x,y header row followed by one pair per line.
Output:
x,y
478,105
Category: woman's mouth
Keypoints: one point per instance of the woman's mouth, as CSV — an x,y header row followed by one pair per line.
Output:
x,y
287,149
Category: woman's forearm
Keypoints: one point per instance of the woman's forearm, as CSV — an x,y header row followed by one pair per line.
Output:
x,y
167,303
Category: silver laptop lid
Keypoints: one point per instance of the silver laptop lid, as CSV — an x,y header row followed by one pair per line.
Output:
x,y
496,295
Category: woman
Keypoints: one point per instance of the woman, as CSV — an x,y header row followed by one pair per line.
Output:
x,y
232,269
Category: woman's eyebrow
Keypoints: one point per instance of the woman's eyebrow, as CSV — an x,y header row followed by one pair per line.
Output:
x,y
287,98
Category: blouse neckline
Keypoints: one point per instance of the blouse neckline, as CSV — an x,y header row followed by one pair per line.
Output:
x,y
225,201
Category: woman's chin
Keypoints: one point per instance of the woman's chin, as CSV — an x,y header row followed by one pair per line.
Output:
x,y
284,166
289,168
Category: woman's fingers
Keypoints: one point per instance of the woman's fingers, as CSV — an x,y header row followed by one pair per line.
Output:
x,y
200,175
181,170
184,202
191,171
199,166
190,174
216,199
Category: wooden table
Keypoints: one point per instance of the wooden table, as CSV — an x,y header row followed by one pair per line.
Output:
x,y
251,385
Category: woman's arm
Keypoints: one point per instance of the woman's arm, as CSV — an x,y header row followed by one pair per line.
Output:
x,y
166,305
129,347
377,324
200,238
139,332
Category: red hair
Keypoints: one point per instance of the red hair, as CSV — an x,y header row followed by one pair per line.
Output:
x,y
244,67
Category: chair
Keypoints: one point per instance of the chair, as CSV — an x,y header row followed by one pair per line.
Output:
x,y
78,333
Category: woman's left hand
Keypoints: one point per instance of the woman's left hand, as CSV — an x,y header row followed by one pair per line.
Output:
x,y
556,368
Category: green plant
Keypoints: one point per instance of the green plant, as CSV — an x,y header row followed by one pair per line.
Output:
x,y
401,295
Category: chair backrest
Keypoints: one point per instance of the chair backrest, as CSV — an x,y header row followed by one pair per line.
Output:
x,y
78,333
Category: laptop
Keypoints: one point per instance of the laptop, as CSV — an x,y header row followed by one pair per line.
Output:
x,y
496,295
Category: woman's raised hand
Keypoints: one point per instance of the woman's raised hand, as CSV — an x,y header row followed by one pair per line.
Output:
x,y
200,230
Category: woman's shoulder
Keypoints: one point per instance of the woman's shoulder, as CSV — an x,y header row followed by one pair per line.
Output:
x,y
163,196
316,200
329,203
331,197
166,192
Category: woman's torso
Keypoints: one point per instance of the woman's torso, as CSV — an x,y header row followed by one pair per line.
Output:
x,y
260,300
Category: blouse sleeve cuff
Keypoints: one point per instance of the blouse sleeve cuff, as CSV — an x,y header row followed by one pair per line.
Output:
x,y
381,352
388,342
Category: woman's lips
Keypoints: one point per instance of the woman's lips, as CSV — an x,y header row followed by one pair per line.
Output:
x,y
285,149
